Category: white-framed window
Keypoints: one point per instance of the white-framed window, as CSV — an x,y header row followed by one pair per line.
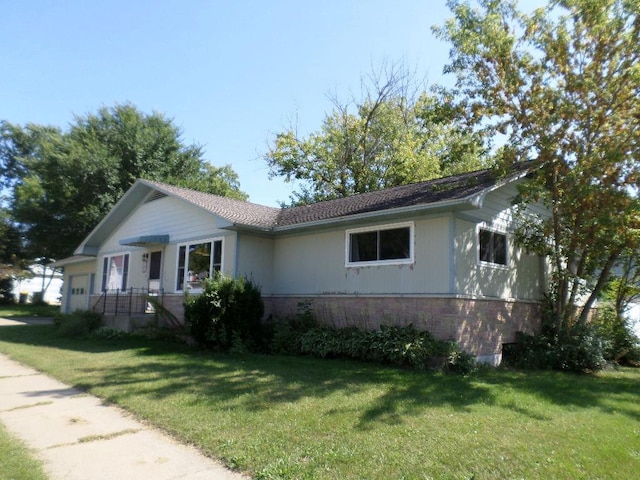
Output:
x,y
381,245
115,272
197,261
492,247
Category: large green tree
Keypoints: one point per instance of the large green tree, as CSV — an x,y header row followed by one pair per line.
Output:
x,y
562,86
392,135
64,182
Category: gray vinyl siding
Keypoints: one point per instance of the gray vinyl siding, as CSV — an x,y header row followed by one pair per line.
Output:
x,y
255,260
314,264
522,278
519,279
182,222
445,260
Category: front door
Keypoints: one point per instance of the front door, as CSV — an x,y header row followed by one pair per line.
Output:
x,y
155,269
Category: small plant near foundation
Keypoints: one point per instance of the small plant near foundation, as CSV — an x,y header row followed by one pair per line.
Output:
x,y
392,345
109,333
80,323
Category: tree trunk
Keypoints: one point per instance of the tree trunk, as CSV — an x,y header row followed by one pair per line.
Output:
x,y
595,293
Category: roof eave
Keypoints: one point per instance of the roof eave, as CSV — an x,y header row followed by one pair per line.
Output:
x,y
477,199
467,203
242,227
73,260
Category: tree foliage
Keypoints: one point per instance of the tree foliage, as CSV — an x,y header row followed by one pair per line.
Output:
x,y
562,86
390,136
63,183
623,288
10,247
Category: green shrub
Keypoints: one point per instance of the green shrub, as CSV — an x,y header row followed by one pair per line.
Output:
x,y
578,350
226,314
78,324
108,333
284,335
393,345
169,334
198,315
460,362
621,343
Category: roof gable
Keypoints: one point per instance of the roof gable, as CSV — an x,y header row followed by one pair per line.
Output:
x,y
234,211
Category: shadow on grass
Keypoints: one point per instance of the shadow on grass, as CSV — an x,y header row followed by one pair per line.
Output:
x,y
162,370
606,392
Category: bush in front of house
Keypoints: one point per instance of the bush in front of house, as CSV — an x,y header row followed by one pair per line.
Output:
x,y
77,324
227,314
392,345
580,349
284,336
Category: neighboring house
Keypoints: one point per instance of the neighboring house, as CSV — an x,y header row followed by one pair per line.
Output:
x,y
439,254
30,289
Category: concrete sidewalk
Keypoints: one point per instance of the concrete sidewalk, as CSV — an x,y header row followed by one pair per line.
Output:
x,y
79,438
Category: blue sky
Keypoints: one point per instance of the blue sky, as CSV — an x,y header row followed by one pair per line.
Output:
x,y
230,74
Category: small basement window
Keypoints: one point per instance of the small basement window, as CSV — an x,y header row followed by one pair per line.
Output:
x,y
492,247
388,244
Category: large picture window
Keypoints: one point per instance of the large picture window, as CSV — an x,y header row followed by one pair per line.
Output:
x,y
115,272
197,261
380,245
492,247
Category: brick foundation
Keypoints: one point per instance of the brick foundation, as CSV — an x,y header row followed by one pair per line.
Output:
x,y
479,326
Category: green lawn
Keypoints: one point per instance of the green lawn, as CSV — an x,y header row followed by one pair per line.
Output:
x,y
28,310
16,461
300,418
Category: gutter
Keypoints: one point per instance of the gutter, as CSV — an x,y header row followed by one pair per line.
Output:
x,y
471,202
462,204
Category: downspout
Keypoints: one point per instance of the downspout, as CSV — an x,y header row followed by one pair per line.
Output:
x,y
237,256
452,254
67,293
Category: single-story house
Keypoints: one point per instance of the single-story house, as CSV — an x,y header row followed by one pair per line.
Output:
x,y
439,254
44,285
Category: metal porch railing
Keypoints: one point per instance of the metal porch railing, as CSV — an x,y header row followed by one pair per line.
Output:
x,y
133,301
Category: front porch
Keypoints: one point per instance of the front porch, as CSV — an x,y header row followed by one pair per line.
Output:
x,y
136,308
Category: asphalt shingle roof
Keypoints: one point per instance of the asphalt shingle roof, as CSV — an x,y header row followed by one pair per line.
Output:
x,y
457,187
415,194
236,211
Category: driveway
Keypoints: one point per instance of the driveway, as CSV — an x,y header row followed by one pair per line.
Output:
x,y
5,322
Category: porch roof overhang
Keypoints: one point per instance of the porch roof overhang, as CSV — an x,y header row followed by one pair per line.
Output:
x,y
73,260
144,240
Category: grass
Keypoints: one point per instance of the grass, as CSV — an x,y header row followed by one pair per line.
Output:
x,y
28,310
301,418
16,461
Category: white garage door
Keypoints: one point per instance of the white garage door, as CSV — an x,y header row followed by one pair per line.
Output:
x,y
79,293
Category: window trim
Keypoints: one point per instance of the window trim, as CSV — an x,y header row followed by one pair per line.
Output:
x,y
212,265
492,230
126,270
378,228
